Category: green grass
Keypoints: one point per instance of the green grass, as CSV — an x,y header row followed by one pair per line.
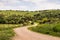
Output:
x,y
6,31
23,13
50,29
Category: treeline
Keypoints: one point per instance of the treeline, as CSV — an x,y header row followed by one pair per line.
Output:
x,y
44,16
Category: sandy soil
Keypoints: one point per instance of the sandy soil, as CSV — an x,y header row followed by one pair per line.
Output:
x,y
23,33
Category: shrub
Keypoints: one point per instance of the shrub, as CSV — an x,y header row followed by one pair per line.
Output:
x,y
51,29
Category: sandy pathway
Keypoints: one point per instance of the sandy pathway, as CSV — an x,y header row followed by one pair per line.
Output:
x,y
23,33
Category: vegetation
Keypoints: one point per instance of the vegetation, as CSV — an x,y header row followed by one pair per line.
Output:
x,y
10,19
6,31
51,29
22,17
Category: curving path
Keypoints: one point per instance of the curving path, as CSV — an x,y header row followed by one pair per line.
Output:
x,y
23,33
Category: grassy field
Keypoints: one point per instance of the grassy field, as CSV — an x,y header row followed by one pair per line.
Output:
x,y
6,31
23,13
10,19
50,29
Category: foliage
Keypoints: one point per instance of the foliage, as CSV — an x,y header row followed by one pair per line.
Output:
x,y
51,29
6,31
10,19
21,17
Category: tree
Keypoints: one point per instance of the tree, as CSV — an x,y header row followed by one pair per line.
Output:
x,y
2,18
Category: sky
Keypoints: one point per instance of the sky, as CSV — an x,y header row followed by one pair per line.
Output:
x,y
29,4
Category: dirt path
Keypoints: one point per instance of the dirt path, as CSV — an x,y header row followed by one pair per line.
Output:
x,y
23,33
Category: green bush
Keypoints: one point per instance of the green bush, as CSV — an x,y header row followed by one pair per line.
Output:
x,y
57,28
51,29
